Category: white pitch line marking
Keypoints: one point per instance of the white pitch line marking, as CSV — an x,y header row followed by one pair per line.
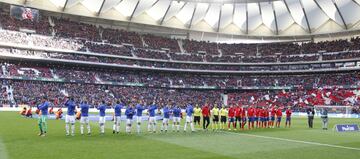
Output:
x,y
297,141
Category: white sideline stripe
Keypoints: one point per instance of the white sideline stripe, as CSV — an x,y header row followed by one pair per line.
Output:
x,y
297,141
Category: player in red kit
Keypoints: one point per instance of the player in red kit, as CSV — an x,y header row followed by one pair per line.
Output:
x,y
288,117
250,114
267,113
243,117
231,115
278,117
262,117
272,116
257,116
238,116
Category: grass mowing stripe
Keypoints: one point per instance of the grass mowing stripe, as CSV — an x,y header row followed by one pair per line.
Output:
x,y
297,141
3,152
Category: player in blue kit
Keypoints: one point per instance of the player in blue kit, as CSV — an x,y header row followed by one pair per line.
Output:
x,y
84,120
189,113
166,116
139,110
117,117
102,119
152,117
43,107
176,112
129,112
70,116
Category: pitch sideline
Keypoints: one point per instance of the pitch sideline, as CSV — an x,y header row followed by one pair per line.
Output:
x,y
265,137
297,141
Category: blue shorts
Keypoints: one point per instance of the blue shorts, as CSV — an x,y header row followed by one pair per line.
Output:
x,y
267,119
262,119
251,119
243,119
231,120
278,119
288,119
272,118
256,119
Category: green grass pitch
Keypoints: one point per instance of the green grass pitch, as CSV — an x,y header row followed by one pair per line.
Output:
x,y
19,140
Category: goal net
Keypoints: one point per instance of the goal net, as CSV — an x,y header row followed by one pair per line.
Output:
x,y
334,110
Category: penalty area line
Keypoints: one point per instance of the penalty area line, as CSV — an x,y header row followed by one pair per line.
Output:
x,y
296,141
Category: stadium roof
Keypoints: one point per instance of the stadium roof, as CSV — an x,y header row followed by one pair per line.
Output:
x,y
236,17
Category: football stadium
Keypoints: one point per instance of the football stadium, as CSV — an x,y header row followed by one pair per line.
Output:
x,y
189,79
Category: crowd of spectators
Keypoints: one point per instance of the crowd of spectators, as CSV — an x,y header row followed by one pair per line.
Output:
x,y
70,29
116,36
107,49
192,46
158,42
241,49
152,54
317,89
79,74
343,55
328,46
124,50
122,62
298,58
224,59
187,57
74,35
29,92
40,41
40,25
259,59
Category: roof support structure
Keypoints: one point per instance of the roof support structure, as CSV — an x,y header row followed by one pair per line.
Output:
x,y
233,13
306,17
288,9
259,8
247,20
154,3
167,10
356,2
192,16
102,5
275,18
341,16
64,7
25,1
132,14
218,27
207,10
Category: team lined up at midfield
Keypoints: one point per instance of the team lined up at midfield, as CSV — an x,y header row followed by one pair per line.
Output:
x,y
234,116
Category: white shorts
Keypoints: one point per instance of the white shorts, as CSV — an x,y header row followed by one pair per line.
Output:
x,y
128,121
70,119
165,120
84,120
176,119
152,119
102,120
138,119
117,119
189,119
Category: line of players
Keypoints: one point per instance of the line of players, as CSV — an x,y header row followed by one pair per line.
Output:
x,y
231,116
254,117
